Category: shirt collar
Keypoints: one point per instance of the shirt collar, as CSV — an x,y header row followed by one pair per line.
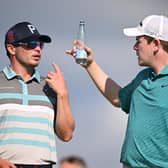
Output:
x,y
10,74
163,72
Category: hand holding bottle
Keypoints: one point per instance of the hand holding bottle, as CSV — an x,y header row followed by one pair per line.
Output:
x,y
82,54
89,52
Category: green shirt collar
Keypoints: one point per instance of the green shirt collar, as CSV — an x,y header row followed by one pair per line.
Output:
x,y
163,72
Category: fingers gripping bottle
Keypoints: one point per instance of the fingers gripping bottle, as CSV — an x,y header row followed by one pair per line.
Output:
x,y
81,55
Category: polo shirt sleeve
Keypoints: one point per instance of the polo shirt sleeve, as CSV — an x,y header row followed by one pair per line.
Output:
x,y
125,94
125,97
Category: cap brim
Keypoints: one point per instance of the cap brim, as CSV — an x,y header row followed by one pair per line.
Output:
x,y
43,38
132,32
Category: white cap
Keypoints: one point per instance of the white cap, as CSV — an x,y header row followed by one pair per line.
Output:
x,y
155,26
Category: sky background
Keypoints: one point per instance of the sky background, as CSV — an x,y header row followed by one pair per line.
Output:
x,y
100,127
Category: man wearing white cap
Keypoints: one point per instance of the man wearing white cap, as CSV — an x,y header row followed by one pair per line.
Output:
x,y
145,98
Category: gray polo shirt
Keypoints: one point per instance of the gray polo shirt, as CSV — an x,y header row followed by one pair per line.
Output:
x,y
27,112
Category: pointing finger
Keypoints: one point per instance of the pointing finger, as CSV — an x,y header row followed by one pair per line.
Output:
x,y
56,68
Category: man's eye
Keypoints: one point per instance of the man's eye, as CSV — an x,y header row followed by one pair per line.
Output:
x,y
138,42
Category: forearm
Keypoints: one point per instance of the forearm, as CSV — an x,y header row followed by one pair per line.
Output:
x,y
108,87
65,123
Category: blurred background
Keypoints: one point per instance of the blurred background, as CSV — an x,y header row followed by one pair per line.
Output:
x,y
100,127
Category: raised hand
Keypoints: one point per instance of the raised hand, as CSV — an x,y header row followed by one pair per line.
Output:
x,y
76,45
56,81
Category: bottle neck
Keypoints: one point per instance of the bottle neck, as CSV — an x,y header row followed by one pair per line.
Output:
x,y
81,35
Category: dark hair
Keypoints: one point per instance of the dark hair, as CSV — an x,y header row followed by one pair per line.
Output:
x,y
74,159
163,43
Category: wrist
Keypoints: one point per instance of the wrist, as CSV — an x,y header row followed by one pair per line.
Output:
x,y
88,64
62,94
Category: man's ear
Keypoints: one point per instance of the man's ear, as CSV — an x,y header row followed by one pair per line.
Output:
x,y
156,45
11,49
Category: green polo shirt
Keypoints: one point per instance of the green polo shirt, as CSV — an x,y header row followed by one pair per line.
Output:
x,y
146,101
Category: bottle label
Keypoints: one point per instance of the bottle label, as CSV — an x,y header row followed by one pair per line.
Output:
x,y
81,54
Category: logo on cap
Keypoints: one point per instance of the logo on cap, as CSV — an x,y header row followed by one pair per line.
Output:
x,y
32,28
141,24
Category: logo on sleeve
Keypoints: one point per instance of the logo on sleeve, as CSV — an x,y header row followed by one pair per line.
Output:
x,y
164,85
